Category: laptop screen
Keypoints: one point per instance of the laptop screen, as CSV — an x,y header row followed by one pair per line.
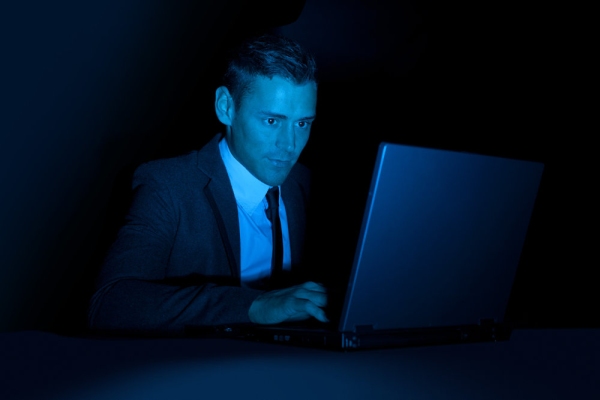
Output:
x,y
440,240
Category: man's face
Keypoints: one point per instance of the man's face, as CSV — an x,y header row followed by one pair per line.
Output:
x,y
271,127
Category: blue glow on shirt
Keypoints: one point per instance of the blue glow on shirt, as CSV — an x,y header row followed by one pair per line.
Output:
x,y
255,229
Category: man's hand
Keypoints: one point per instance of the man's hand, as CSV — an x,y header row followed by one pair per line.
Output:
x,y
291,304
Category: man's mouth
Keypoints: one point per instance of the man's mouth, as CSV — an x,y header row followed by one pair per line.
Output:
x,y
280,163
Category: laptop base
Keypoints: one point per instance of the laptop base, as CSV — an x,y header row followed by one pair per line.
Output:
x,y
348,341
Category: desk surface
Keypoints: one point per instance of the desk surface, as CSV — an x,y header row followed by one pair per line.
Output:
x,y
544,364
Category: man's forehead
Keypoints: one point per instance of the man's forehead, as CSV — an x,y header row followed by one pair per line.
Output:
x,y
278,91
263,82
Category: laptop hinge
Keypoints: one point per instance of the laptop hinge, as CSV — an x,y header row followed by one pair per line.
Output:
x,y
486,322
487,328
363,328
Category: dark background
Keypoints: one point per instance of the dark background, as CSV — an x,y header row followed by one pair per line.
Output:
x,y
89,91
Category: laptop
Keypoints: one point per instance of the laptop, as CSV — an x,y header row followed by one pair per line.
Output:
x,y
439,246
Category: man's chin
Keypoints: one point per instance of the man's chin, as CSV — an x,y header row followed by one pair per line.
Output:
x,y
275,179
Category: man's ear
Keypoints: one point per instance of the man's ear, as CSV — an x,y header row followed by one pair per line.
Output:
x,y
224,106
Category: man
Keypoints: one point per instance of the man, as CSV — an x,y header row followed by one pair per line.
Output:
x,y
197,245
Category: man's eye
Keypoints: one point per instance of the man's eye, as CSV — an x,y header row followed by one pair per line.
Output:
x,y
271,121
303,124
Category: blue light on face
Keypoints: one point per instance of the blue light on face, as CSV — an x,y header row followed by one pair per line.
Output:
x,y
271,127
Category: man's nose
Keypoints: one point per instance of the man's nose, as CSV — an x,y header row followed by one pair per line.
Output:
x,y
286,139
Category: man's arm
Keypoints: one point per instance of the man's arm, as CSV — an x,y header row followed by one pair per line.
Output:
x,y
167,267
137,306
295,303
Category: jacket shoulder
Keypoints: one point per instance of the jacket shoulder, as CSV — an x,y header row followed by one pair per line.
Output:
x,y
301,174
174,170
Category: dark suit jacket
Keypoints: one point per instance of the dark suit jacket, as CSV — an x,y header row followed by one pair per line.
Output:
x,y
176,261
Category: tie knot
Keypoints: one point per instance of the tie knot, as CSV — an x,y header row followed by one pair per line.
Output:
x,y
273,197
273,202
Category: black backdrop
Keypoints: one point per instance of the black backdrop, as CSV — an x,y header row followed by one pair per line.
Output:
x,y
88,91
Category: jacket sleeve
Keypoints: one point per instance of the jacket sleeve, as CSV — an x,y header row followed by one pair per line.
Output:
x,y
136,292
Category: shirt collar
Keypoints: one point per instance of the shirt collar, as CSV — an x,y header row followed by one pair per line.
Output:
x,y
248,190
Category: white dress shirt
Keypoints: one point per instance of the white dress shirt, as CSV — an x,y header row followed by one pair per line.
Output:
x,y
255,229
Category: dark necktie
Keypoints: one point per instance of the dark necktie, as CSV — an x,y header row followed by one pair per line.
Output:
x,y
273,216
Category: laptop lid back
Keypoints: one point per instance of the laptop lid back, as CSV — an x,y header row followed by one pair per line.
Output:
x,y
440,240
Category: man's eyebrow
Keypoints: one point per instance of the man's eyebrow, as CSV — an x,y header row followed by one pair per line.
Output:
x,y
281,116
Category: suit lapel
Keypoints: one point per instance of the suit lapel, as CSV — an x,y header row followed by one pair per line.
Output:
x,y
219,194
296,215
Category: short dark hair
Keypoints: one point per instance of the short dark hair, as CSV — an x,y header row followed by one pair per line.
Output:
x,y
267,55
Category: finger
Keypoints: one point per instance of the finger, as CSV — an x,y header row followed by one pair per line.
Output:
x,y
316,287
300,309
319,298
316,312
308,308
